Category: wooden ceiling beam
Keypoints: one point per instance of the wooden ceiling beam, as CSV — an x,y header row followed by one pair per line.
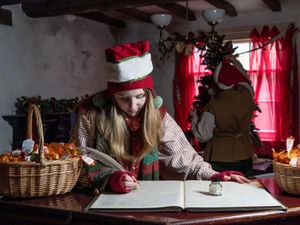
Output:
x,y
10,2
42,8
102,18
138,14
230,10
274,5
178,10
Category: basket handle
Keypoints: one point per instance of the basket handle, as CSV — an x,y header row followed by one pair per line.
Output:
x,y
34,109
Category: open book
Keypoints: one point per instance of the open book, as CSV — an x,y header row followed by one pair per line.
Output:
x,y
187,195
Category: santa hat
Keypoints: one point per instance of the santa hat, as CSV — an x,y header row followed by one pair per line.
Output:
x,y
231,72
129,67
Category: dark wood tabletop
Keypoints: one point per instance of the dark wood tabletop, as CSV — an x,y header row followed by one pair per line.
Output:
x,y
70,208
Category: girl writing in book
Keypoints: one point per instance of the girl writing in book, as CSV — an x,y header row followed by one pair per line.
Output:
x,y
128,122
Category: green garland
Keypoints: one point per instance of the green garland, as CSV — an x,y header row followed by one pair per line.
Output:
x,y
47,106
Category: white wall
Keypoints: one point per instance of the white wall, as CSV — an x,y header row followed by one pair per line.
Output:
x,y
61,57
64,58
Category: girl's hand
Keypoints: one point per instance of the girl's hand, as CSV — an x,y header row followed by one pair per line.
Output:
x,y
130,182
122,182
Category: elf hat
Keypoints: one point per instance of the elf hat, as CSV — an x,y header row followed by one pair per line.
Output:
x,y
129,67
230,72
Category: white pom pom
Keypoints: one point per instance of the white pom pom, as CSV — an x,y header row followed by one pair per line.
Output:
x,y
158,101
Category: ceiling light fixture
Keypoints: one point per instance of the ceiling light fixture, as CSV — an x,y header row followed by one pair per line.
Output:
x,y
213,16
185,44
161,20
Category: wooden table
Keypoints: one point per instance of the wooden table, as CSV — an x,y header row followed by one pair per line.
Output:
x,y
70,209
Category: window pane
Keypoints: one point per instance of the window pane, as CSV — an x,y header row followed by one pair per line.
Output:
x,y
244,57
264,121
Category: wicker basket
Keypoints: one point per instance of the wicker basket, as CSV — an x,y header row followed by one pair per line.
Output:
x,y
46,178
287,177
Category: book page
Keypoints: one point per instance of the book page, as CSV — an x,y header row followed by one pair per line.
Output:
x,y
151,196
235,197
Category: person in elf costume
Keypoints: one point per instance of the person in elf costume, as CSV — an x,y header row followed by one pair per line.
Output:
x,y
128,122
224,122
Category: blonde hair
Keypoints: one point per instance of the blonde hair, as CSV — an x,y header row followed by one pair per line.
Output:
x,y
111,124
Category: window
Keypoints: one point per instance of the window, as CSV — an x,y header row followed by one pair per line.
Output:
x,y
266,98
243,46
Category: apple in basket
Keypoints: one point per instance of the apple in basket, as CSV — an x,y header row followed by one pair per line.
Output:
x,y
13,156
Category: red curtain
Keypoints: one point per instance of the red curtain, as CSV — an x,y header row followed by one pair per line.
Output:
x,y
273,71
188,70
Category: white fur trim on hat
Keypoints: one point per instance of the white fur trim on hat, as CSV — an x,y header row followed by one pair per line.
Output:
x,y
132,68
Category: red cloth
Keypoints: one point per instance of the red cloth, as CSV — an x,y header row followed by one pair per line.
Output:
x,y
123,51
146,82
129,67
133,123
188,70
116,182
273,69
229,74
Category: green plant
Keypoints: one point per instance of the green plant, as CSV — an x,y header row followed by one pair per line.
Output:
x,y
47,106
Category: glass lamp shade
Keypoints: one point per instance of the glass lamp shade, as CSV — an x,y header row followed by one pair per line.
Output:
x,y
161,19
213,16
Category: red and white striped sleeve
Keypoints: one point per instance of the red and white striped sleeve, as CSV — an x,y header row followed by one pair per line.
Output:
x,y
177,158
83,133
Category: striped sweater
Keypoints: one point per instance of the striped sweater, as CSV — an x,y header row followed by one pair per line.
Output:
x,y
176,159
